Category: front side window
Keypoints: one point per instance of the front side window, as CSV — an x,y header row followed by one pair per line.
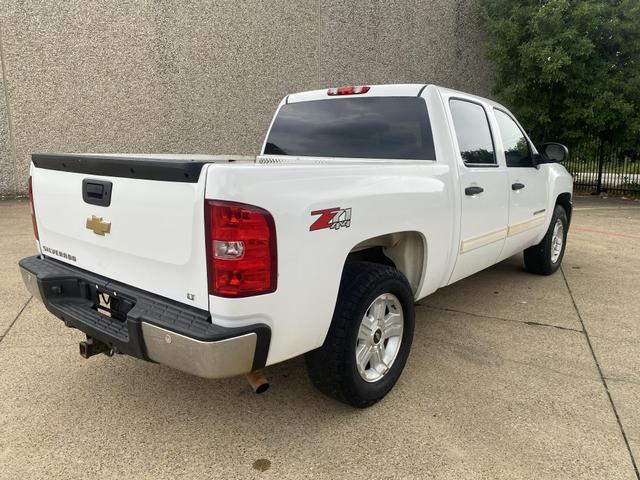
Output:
x,y
374,127
473,133
516,147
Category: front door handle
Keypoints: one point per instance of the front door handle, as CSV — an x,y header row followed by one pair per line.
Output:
x,y
473,190
517,186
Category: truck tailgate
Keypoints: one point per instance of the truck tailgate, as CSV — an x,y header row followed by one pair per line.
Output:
x,y
136,220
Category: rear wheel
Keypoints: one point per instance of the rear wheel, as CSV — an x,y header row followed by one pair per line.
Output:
x,y
370,336
546,257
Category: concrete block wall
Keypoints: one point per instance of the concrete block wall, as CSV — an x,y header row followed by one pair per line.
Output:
x,y
205,76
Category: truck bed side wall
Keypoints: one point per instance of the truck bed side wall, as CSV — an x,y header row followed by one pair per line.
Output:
x,y
383,198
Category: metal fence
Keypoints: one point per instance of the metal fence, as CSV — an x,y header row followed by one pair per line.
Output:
x,y
597,167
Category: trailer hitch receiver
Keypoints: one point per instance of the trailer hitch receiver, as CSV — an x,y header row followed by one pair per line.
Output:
x,y
91,347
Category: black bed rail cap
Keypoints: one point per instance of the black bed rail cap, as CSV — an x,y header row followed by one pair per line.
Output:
x,y
143,168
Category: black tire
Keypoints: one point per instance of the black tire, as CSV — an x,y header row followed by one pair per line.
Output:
x,y
538,259
332,367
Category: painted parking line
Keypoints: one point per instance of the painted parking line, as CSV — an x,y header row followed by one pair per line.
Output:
x,y
606,232
581,209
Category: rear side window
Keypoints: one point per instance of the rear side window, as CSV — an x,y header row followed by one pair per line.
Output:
x,y
473,133
374,127
516,147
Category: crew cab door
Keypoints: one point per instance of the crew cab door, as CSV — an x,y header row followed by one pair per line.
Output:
x,y
527,186
483,189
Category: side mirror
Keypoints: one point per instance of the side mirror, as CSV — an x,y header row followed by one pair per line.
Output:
x,y
553,152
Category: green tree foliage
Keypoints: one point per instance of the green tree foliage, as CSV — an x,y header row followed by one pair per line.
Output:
x,y
570,69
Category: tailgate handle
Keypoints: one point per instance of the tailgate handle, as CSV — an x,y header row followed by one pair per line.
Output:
x,y
97,192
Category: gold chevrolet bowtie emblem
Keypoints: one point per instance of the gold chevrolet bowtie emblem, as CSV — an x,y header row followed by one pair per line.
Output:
x,y
98,225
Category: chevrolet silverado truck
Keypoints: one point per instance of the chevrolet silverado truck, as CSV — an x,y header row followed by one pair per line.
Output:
x,y
362,201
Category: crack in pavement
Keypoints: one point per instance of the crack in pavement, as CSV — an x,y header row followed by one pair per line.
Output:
x,y
6,332
479,315
602,377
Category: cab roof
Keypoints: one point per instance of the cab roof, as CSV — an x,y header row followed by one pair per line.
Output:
x,y
389,90
394,90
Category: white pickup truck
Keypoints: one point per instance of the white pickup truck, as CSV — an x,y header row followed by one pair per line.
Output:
x,y
363,200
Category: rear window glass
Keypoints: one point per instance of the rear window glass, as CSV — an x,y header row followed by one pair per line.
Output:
x,y
375,127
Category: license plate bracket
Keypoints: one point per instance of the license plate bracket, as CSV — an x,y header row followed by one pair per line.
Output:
x,y
110,304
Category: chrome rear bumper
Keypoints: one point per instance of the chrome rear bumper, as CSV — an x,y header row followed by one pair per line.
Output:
x,y
217,359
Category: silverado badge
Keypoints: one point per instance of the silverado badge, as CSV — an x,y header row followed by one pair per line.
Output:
x,y
98,225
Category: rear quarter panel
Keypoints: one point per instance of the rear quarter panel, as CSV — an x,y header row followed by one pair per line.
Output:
x,y
384,198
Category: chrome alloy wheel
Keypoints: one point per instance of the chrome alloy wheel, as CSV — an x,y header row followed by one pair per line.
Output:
x,y
557,240
379,337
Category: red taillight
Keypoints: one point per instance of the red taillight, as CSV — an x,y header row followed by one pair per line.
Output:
x,y
348,90
33,210
241,249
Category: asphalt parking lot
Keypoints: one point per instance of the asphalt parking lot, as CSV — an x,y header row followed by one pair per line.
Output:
x,y
511,375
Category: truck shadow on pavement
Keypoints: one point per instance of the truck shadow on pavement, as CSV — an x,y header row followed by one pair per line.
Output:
x,y
497,297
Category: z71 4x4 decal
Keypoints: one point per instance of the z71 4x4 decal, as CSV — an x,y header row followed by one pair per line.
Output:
x,y
333,218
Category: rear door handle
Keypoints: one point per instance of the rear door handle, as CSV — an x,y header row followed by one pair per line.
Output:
x,y
517,186
473,190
